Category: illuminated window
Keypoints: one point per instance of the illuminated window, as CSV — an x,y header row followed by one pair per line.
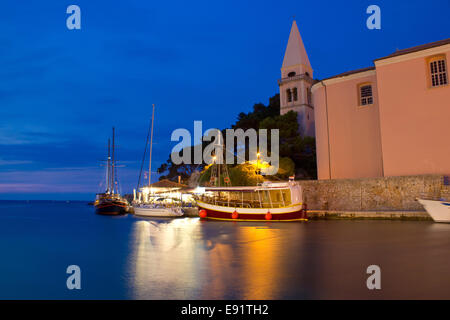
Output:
x,y
289,95
438,71
365,95
294,91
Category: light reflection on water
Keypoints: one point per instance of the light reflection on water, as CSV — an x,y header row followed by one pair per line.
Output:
x,y
134,258
189,258
164,259
192,259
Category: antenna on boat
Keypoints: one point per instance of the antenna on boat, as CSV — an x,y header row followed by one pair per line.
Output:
x,y
107,167
112,164
151,145
143,157
217,168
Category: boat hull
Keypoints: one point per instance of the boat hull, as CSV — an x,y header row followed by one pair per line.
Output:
x,y
291,213
156,212
111,209
438,210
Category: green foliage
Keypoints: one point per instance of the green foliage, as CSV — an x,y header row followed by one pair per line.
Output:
x,y
302,150
205,176
260,112
171,171
287,168
245,175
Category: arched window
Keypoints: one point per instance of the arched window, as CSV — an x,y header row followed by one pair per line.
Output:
x,y
291,74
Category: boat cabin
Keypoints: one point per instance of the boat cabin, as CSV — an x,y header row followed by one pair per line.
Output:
x,y
268,195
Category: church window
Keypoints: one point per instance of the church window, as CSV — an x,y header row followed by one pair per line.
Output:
x,y
291,74
365,95
438,71
309,96
289,95
307,74
294,92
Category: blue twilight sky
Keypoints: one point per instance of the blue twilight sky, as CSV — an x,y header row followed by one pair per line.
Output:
x,y
61,91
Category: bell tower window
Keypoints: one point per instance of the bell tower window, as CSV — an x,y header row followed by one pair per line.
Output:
x,y
289,95
294,93
309,96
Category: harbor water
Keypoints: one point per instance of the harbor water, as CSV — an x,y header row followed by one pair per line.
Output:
x,y
129,257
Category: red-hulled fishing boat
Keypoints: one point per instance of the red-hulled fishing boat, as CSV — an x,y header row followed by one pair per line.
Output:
x,y
281,201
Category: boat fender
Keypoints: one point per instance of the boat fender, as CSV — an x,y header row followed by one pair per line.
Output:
x,y
304,214
202,213
268,216
234,215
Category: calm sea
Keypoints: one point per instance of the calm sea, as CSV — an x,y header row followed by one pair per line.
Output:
x,y
136,258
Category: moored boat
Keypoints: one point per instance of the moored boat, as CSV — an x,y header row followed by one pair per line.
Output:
x,y
148,204
110,202
156,210
269,201
437,209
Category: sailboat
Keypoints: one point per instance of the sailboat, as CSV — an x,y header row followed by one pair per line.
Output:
x,y
148,204
110,202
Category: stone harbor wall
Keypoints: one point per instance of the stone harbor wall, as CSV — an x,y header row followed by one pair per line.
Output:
x,y
369,198
374,194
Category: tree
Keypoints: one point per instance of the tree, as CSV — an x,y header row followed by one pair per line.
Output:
x,y
172,171
302,150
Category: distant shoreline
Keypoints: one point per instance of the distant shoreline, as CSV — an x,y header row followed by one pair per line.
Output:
x,y
5,200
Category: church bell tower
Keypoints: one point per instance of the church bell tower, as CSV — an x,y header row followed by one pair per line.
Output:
x,y
295,83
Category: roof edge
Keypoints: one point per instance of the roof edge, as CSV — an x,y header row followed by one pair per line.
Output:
x,y
416,49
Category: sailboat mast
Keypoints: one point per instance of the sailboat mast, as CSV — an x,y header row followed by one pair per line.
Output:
x,y
151,145
112,164
108,173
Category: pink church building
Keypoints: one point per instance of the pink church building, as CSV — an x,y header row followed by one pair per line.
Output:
x,y
390,119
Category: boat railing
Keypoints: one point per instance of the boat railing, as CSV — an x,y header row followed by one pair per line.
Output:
x,y
242,204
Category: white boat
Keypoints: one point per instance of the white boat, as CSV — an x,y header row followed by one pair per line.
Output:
x,y
153,210
269,201
154,205
437,209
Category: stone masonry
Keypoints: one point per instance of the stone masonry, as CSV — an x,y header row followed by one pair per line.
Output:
x,y
374,194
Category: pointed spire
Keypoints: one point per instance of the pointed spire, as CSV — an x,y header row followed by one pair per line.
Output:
x,y
295,51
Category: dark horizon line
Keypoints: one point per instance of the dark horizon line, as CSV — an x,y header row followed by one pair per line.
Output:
x,y
18,200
